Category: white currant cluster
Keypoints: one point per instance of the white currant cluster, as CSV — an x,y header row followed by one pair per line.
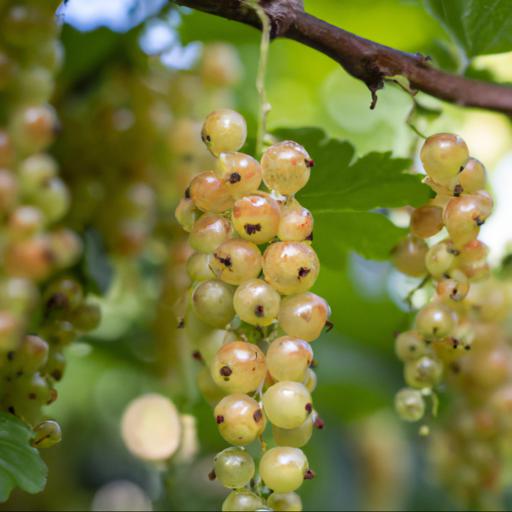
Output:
x,y
444,327
251,310
35,246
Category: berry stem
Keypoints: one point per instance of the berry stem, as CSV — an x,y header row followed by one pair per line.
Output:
x,y
264,106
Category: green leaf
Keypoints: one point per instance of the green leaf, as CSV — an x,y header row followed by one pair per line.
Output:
x,y
371,234
20,463
377,180
480,27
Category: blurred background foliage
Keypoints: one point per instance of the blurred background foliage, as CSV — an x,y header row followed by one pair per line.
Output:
x,y
365,458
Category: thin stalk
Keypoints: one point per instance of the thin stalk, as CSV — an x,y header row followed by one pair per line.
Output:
x,y
264,106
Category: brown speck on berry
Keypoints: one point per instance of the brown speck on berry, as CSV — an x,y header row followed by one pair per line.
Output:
x,y
181,323
310,237
259,310
224,261
211,475
303,272
219,419
258,415
187,193
250,229
309,162
479,221
197,355
457,190
226,371
329,326
309,408
234,177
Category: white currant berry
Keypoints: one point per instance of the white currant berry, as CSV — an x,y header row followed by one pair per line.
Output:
x,y
209,193
242,500
287,404
409,404
238,367
288,358
285,502
304,315
409,345
234,467
295,437
208,232
296,222
236,261
213,303
443,155
409,256
286,167
256,302
239,418
290,267
224,131
283,469
435,320
424,372
256,217
426,221
240,172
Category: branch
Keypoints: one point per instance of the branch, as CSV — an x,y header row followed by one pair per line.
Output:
x,y
365,60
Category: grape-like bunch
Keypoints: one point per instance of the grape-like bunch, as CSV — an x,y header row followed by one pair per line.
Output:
x,y
250,311
36,295
458,337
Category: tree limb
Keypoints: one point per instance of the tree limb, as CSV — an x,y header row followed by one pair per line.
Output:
x,y
366,60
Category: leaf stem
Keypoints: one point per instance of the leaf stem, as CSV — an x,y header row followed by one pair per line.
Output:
x,y
264,106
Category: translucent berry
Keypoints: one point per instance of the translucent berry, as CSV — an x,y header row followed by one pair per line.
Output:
x,y
286,167
239,418
240,172
234,467
256,217
8,190
285,502
295,437
443,155
47,434
186,213
199,267
242,501
409,404
208,232
213,303
311,380
435,320
236,261
290,267
224,131
34,128
473,177
287,404
453,285
409,256
288,358
409,345
282,469
256,302
426,221
296,222
304,315
209,193
238,367
464,215
440,258
424,372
